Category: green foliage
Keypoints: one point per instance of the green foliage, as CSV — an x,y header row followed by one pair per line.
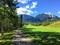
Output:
x,y
36,24
8,16
45,23
39,23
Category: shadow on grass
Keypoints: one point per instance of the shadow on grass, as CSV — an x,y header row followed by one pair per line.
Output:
x,y
8,37
42,38
6,43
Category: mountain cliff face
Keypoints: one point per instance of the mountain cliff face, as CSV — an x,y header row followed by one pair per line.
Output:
x,y
28,18
46,17
39,18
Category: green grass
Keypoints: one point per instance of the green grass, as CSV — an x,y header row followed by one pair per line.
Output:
x,y
42,28
8,38
43,35
40,35
55,24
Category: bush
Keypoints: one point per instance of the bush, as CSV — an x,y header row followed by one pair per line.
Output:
x,y
45,23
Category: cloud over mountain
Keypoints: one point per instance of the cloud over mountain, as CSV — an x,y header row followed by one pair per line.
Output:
x,y
23,1
34,4
27,9
23,11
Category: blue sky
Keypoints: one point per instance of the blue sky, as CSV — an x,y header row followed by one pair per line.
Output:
x,y
35,7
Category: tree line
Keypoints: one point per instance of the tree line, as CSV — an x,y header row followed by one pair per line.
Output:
x,y
8,16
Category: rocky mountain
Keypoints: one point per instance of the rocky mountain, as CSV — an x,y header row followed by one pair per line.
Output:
x,y
46,17
39,18
28,18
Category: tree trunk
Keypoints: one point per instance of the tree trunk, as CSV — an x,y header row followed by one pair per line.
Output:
x,y
2,32
21,25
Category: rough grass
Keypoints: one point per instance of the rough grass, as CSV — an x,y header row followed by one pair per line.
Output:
x,y
8,38
43,35
55,24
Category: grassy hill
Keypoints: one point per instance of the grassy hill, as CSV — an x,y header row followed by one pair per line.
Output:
x,y
55,24
32,28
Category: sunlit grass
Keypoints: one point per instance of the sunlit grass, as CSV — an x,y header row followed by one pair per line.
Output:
x,y
55,24
42,35
43,28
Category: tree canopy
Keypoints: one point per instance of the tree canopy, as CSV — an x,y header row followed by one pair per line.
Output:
x,y
8,16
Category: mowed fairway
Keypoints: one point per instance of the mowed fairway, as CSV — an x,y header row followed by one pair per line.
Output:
x,y
43,35
42,28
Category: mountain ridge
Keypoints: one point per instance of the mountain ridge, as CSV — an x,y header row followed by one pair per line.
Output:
x,y
40,18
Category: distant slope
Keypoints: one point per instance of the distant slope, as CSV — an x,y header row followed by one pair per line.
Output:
x,y
49,17
28,18
55,24
39,18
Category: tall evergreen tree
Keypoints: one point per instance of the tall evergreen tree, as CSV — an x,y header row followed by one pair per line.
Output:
x,y
8,17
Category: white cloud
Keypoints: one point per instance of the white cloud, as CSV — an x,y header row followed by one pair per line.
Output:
x,y
23,1
23,11
58,12
27,9
34,4
48,13
27,6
